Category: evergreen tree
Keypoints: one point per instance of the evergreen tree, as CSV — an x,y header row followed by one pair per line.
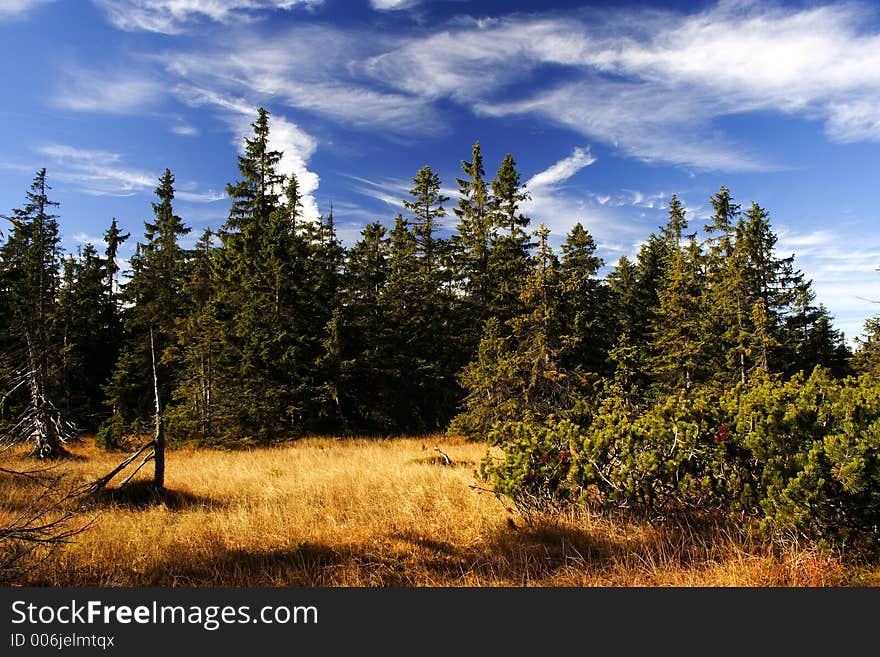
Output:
x,y
634,290
728,307
509,261
260,264
90,334
866,358
476,232
583,303
196,347
678,342
32,346
427,209
364,356
520,378
154,301
771,285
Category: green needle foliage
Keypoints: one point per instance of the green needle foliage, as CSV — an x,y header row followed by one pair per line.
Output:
x,y
698,376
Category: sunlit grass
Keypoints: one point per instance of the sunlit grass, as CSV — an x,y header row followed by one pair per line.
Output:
x,y
340,512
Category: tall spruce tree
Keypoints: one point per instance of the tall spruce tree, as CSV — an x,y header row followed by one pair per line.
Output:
x,y
583,303
32,346
260,264
196,347
366,359
154,301
520,377
476,232
509,253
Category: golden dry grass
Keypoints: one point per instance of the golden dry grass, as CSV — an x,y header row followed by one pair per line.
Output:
x,y
334,512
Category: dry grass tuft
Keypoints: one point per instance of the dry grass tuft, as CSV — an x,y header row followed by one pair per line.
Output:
x,y
334,512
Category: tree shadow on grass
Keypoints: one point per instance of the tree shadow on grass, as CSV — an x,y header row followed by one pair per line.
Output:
x,y
143,494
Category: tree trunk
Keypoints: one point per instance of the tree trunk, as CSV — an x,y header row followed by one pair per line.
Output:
x,y
159,459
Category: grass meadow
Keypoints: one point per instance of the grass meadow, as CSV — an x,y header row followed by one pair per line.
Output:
x,y
380,512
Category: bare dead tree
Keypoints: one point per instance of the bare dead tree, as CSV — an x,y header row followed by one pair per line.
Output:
x,y
40,423
156,445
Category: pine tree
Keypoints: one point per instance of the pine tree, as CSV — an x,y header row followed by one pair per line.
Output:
x,y
154,301
509,260
363,354
32,346
476,232
427,209
583,303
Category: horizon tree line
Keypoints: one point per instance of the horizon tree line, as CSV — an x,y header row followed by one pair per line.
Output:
x,y
270,329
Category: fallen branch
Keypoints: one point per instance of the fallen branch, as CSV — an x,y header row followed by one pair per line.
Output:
x,y
99,484
149,457
446,459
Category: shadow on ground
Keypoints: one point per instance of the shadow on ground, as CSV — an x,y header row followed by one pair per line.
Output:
x,y
143,495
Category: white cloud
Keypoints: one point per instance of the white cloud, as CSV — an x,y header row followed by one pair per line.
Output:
x,y
82,238
562,170
104,173
392,5
388,191
173,16
185,130
560,208
296,145
117,92
12,9
298,69
101,173
655,83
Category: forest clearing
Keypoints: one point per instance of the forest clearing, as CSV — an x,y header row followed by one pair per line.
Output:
x,y
380,512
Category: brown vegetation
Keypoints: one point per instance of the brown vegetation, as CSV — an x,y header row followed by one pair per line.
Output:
x,y
334,512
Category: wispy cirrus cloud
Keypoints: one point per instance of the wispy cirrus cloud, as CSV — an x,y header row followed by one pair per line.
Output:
x,y
393,5
559,206
13,9
174,16
654,84
105,173
297,69
113,92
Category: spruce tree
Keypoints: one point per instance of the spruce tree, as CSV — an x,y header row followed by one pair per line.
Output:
x,y
583,301
154,301
364,355
260,263
520,377
32,346
90,333
509,260
476,232
196,347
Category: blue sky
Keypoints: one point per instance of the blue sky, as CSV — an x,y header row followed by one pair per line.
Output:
x,y
608,108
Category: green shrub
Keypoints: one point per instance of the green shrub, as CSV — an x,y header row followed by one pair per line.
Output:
x,y
534,471
795,457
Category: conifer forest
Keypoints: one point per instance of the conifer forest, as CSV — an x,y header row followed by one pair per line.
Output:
x,y
698,379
